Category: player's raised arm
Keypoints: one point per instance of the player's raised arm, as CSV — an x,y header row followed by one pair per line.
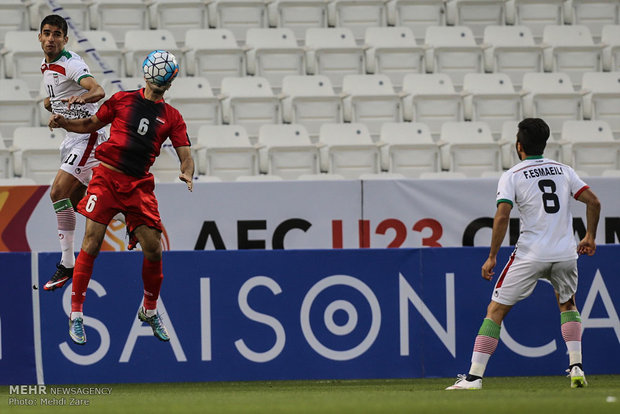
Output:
x,y
82,125
187,166
94,92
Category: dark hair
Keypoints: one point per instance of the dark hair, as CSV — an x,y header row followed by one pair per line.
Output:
x,y
533,134
55,20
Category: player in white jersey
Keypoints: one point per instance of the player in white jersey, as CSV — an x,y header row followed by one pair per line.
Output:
x,y
73,92
542,190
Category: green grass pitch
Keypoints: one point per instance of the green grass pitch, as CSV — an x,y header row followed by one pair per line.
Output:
x,y
527,395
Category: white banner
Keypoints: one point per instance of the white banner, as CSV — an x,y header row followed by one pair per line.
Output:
x,y
328,214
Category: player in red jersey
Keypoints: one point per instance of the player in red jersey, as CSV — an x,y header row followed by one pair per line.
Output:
x,y
141,122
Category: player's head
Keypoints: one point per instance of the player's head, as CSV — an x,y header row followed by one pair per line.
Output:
x,y
53,36
532,135
55,21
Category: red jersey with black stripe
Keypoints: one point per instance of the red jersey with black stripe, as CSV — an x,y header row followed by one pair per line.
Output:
x,y
139,128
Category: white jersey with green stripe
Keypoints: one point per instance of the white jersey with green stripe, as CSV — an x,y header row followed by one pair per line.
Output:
x,y
62,80
542,190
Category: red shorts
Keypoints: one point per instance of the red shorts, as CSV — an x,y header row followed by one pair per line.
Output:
x,y
110,192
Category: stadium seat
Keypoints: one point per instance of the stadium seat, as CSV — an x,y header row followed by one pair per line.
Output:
x,y
409,149
213,54
475,14
310,101
273,53
590,146
22,56
193,97
550,96
17,108
333,52
225,151
357,15
298,15
119,16
6,162
37,153
77,10
490,98
393,51
468,147
431,99
512,51
594,14
178,16
286,151
417,15
13,17
610,37
553,149
106,48
572,51
535,14
453,50
238,15
371,100
166,167
139,43
602,98
348,150
249,101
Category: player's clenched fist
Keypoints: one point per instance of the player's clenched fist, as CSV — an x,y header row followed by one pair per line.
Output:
x,y
56,121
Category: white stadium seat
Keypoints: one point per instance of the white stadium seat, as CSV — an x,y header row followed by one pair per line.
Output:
x,y
590,146
178,16
535,14
193,97
475,14
512,51
357,15
453,50
213,54
551,96
77,10
468,147
310,101
602,98
273,53
348,150
594,14
249,101
393,51
119,16
572,51
106,47
409,149
6,162
371,100
610,37
13,17
287,151
17,108
418,15
139,43
37,154
431,99
491,98
225,151
238,15
333,52
22,57
298,15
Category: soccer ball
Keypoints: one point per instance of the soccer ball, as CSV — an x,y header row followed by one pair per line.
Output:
x,y
160,67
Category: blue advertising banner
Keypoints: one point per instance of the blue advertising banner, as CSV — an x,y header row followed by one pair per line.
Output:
x,y
257,315
17,354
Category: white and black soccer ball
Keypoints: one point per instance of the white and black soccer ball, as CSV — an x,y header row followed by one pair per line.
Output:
x,y
160,67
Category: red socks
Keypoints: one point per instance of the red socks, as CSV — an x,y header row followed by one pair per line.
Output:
x,y
81,276
152,278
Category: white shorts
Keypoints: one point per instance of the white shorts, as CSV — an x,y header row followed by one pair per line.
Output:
x,y
518,279
77,153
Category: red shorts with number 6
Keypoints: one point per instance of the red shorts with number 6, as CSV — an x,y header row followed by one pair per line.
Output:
x,y
110,192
